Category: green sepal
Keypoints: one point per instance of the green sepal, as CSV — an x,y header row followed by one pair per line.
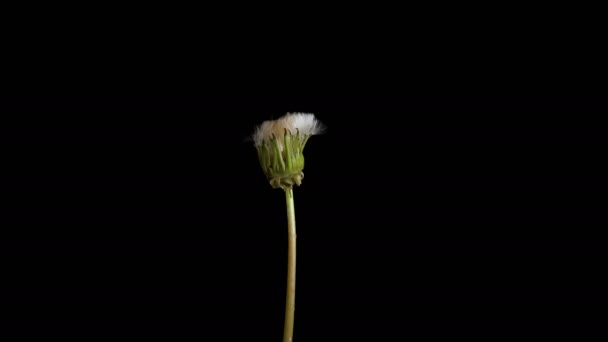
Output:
x,y
283,168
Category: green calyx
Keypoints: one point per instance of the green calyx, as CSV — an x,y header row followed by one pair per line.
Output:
x,y
282,159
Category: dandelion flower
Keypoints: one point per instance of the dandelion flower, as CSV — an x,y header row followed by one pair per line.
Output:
x,y
280,145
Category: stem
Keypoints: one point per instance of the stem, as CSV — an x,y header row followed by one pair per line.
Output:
x,y
290,305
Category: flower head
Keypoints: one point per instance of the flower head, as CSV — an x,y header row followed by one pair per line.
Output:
x,y
280,144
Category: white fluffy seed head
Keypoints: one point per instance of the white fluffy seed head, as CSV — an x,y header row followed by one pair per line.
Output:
x,y
296,123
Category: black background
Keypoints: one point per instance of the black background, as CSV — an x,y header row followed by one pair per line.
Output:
x,y
418,216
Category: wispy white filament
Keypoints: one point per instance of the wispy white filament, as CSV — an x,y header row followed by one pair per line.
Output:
x,y
300,123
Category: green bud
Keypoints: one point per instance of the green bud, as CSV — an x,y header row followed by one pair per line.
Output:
x,y
282,160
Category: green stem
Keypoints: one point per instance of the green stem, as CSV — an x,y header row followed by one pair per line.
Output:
x,y
290,305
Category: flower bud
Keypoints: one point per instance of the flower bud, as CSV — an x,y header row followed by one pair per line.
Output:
x,y
280,145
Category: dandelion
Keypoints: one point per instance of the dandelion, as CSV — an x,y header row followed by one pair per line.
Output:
x,y
280,145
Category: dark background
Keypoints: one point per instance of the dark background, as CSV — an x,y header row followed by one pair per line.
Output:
x,y
418,216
